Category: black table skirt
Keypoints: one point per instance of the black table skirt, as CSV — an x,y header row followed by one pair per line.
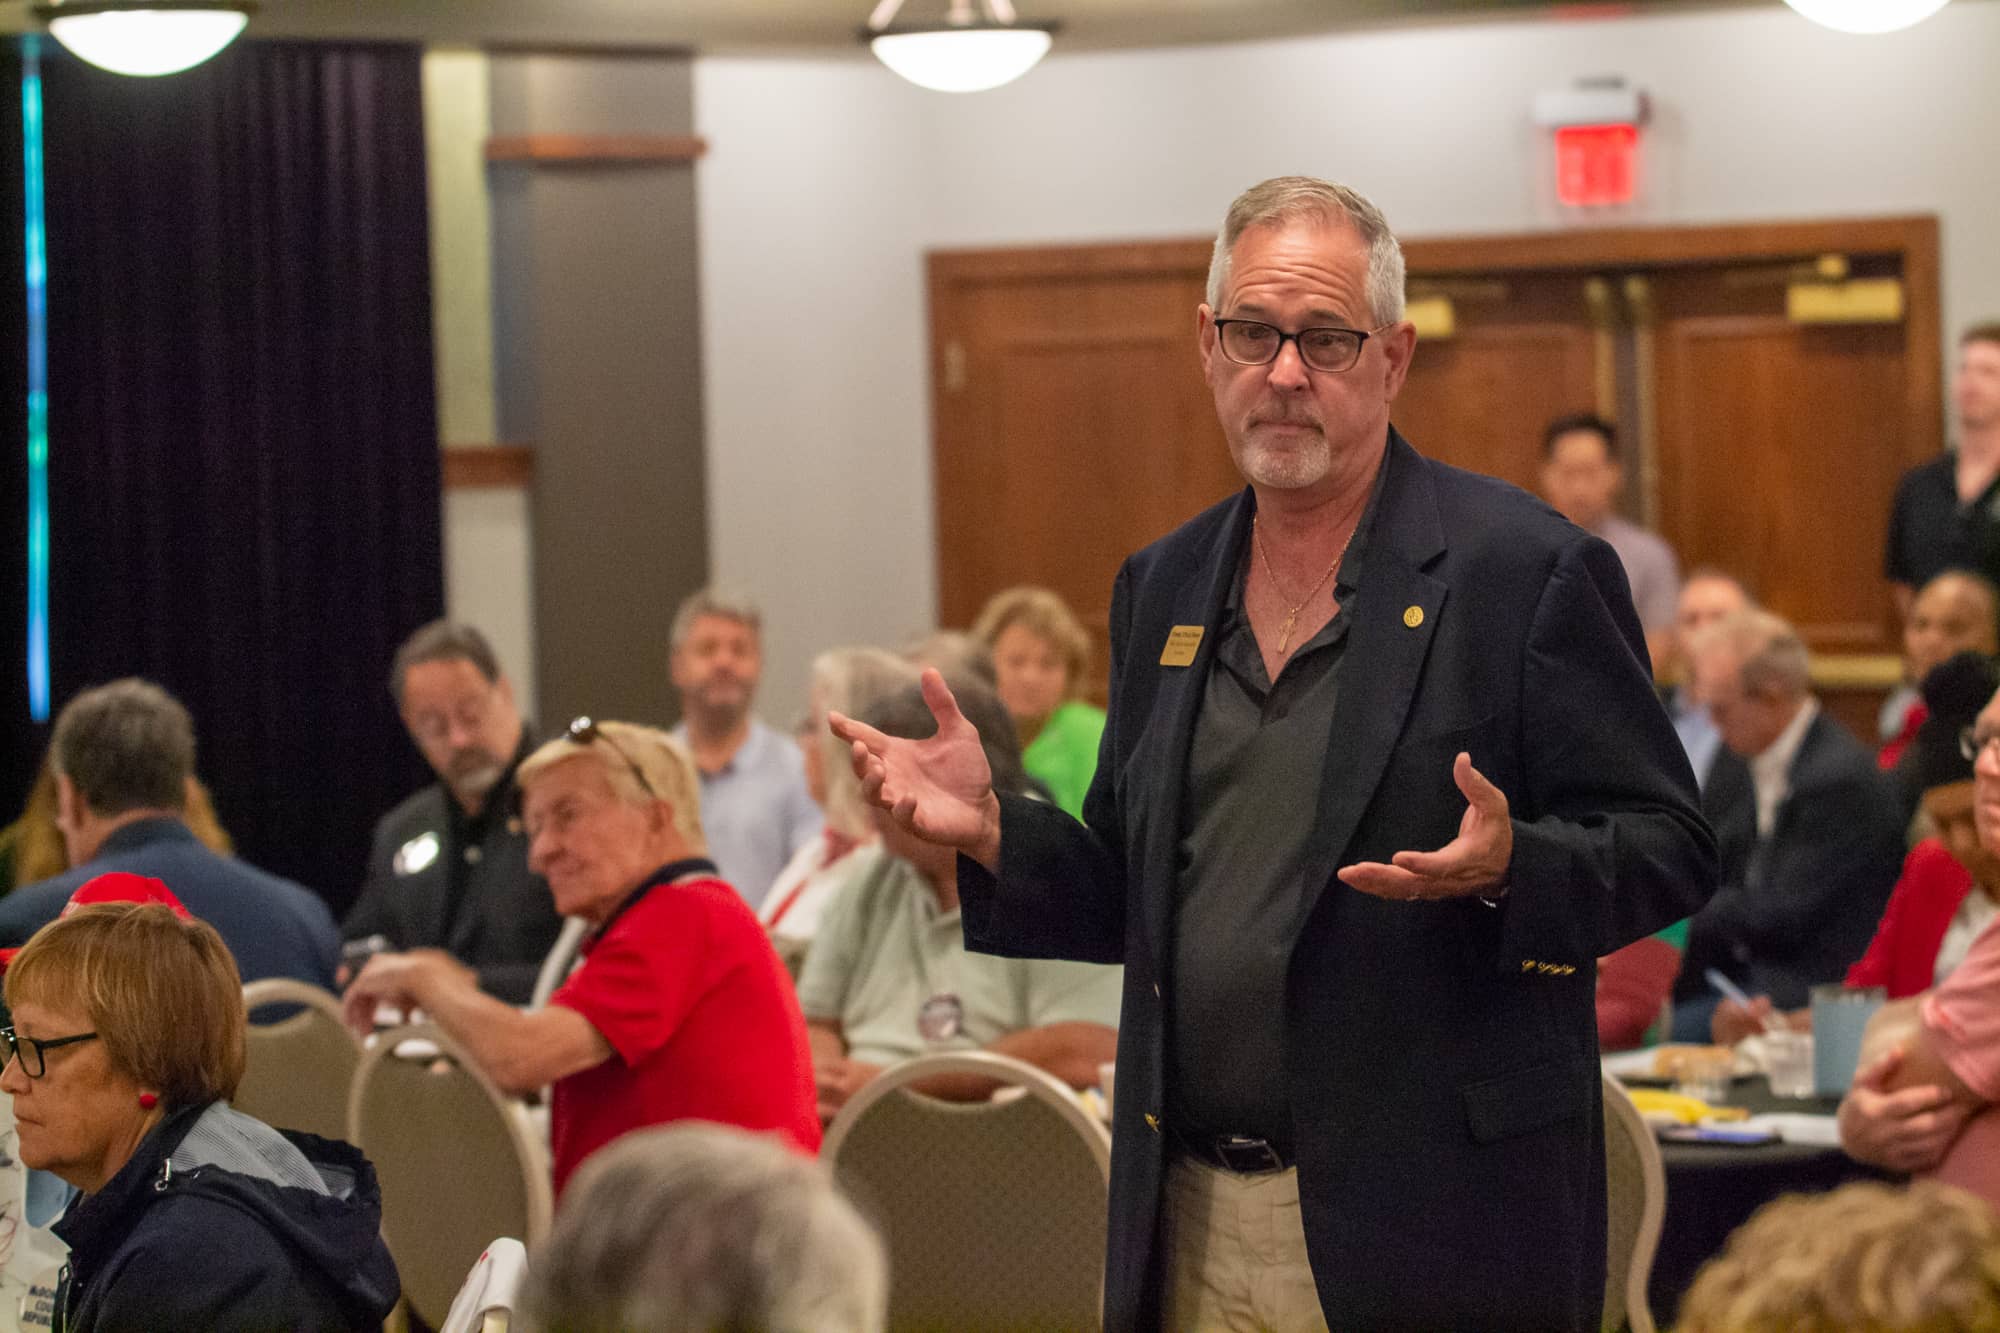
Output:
x,y
1713,1188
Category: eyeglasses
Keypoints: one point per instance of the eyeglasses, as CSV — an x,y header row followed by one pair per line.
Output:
x,y
1251,342
584,731
32,1052
1971,744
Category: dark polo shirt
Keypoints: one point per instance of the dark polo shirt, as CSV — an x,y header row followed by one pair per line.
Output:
x,y
1930,531
1253,791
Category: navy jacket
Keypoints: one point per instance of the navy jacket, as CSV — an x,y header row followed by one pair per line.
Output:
x,y
1441,1057
274,927
209,1227
1799,909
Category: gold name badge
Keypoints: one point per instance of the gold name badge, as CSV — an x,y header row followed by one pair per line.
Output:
x,y
1182,640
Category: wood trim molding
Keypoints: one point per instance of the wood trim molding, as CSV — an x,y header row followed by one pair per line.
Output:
x,y
576,149
488,466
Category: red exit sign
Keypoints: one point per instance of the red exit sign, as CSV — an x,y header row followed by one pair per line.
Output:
x,y
1596,164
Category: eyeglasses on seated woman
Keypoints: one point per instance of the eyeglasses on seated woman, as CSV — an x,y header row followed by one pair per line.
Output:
x,y
127,1043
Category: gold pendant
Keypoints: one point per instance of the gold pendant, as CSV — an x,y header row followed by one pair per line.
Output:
x,y
1285,631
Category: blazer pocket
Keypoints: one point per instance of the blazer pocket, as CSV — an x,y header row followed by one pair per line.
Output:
x,y
1523,1101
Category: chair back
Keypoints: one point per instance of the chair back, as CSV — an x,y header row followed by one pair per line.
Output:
x,y
485,1304
458,1161
297,1069
1636,1195
560,961
993,1212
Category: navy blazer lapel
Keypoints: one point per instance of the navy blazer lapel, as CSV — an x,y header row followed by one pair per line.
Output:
x,y
1385,650
1198,602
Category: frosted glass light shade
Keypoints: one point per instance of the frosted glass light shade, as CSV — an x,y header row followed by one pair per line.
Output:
x,y
1867,16
144,41
962,60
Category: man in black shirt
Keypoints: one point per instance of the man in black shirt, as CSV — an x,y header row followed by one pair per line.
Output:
x,y
1947,512
448,868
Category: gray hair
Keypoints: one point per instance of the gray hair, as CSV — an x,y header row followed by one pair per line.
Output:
x,y
128,745
1293,198
442,641
955,652
690,1228
852,681
1771,658
906,715
713,601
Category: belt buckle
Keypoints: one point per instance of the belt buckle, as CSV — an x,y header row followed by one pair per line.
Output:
x,y
1247,1156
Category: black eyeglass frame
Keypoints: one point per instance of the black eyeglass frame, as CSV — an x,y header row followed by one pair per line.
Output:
x,y
1360,336
585,731
19,1046
1969,744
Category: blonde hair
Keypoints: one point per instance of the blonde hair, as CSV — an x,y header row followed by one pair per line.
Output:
x,y
162,993
665,762
1295,198
1866,1258
1045,614
851,681
1771,657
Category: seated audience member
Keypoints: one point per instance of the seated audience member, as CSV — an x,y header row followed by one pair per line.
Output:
x,y
1807,832
851,681
1950,886
1041,656
889,977
448,868
1582,478
31,848
754,802
1708,596
123,758
1927,1103
1866,1258
126,1045
955,653
1956,612
1633,987
693,1228
679,1010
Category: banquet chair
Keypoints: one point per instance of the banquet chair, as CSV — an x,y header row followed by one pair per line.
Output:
x,y
298,1068
1636,1195
560,960
993,1212
458,1161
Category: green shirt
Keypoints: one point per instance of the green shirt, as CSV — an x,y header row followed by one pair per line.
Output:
x,y
884,947
1064,753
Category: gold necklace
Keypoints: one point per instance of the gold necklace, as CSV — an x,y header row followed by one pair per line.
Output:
x,y
1292,616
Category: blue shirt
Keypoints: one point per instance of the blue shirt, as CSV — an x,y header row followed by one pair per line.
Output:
x,y
1698,734
756,811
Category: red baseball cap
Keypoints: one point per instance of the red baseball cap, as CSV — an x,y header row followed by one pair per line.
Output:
x,y
116,887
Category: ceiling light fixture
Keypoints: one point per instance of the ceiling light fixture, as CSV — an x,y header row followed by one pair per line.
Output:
x,y
1867,16
145,37
970,51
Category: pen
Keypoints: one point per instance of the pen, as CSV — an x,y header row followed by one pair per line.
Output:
x,y
1731,991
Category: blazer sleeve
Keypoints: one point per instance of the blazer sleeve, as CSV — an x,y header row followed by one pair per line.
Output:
x,y
1061,888
1609,841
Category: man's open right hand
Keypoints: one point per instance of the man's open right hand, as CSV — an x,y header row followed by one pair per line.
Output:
x,y
940,789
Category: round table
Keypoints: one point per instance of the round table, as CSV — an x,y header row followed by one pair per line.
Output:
x,y
1713,1188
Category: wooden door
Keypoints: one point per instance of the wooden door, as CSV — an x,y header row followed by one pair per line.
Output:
x,y
1523,349
1073,424
1779,444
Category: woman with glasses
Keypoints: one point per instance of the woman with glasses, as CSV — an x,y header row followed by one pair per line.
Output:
x,y
126,1045
680,1009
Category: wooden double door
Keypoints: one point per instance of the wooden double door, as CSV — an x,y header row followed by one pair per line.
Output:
x,y
1771,383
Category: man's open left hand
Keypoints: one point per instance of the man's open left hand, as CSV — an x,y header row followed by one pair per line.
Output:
x,y
1475,862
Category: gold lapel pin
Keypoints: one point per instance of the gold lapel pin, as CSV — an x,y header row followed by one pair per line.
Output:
x,y
1413,617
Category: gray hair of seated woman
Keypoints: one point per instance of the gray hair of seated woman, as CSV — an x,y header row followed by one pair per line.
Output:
x,y
693,1227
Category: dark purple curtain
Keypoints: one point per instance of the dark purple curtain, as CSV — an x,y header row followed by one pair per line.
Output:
x,y
244,467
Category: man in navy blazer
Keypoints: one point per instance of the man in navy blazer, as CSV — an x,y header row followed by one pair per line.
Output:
x,y
124,760
1384,775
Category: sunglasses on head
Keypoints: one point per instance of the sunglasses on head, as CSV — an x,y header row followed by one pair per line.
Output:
x,y
584,731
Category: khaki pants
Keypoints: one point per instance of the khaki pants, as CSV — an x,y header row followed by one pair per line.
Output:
x,y
1236,1252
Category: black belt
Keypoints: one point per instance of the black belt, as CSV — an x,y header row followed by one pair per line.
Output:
x,y
1241,1153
